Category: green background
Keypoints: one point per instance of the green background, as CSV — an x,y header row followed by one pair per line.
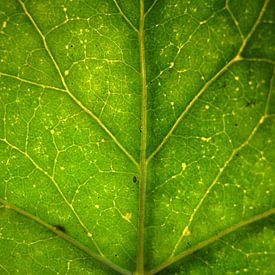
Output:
x,y
70,106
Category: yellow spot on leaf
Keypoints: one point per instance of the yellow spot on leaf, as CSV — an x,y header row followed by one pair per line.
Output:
x,y
128,216
183,166
205,139
171,65
186,231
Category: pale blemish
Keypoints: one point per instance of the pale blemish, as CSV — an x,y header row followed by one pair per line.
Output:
x,y
172,64
127,216
183,166
186,231
4,25
205,139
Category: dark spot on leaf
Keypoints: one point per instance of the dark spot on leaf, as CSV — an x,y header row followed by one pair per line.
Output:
x,y
115,255
237,155
134,179
60,228
250,103
71,46
236,124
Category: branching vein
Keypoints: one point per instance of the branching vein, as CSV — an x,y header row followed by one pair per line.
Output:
x,y
211,240
235,59
64,236
221,170
44,86
75,99
125,17
150,8
58,189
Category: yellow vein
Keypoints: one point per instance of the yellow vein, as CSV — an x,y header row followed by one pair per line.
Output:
x,y
65,237
44,86
125,17
143,146
221,170
79,103
235,59
211,240
190,104
264,60
270,91
58,189
234,19
255,25
150,9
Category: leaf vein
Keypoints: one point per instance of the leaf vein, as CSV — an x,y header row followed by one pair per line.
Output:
x,y
221,170
74,98
124,16
150,8
65,237
211,240
44,86
235,59
58,189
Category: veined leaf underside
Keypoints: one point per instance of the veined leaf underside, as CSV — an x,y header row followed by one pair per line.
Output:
x,y
73,138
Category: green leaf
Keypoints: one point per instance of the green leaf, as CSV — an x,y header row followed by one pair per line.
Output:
x,y
137,136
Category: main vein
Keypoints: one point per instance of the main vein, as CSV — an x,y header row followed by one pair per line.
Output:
x,y
143,146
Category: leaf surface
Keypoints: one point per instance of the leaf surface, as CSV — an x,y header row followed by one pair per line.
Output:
x,y
137,136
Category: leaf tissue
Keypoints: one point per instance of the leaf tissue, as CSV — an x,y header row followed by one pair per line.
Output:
x,y
137,136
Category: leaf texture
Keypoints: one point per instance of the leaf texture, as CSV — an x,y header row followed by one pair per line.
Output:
x,y
137,136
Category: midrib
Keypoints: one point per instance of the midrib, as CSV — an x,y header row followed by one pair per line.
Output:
x,y
143,146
